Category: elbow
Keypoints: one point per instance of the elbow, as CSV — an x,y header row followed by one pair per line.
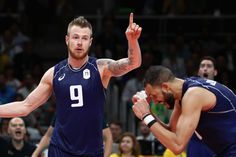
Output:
x,y
177,149
177,152
136,65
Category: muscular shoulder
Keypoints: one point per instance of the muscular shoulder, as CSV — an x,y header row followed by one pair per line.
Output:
x,y
103,64
48,76
199,96
105,73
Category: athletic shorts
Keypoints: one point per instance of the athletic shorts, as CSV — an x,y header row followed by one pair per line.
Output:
x,y
54,151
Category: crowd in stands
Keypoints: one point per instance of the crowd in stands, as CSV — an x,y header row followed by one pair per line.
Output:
x,y
24,22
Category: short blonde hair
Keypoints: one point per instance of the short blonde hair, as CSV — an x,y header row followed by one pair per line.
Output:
x,y
81,22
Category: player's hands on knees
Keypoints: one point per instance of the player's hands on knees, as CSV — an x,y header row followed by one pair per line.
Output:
x,y
141,106
133,31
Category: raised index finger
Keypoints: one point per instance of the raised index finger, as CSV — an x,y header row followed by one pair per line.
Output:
x,y
131,17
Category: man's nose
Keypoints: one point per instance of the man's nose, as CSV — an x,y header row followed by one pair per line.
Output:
x,y
79,42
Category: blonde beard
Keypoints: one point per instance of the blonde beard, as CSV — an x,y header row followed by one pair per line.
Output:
x,y
78,57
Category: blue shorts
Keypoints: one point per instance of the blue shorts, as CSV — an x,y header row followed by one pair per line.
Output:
x,y
54,151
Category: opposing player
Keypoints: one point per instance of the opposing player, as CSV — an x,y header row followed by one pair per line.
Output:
x,y
79,84
198,104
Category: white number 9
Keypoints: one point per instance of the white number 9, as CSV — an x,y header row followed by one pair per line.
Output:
x,y
76,94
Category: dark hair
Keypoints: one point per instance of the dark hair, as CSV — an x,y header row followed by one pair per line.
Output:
x,y
156,75
118,123
81,22
212,59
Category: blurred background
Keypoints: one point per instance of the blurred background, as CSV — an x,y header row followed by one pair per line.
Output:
x,y
176,33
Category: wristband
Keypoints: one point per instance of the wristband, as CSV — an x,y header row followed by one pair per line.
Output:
x,y
149,120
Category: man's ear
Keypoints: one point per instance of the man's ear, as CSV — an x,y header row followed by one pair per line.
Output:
x,y
91,41
66,39
215,72
164,86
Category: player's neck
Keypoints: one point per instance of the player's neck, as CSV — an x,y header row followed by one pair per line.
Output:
x,y
77,64
177,86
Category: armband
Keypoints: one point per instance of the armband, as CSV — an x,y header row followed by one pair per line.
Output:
x,y
149,120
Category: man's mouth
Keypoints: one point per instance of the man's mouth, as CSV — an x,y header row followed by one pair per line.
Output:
x,y
205,75
18,132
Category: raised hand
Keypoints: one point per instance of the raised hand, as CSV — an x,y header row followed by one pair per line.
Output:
x,y
134,30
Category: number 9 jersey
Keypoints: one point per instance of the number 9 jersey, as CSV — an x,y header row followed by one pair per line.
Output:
x,y
80,97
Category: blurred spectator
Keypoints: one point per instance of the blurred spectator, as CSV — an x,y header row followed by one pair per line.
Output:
x,y
145,139
16,146
116,131
128,146
4,122
145,133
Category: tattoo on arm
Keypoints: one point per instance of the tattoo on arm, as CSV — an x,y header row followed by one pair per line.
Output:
x,y
119,67
131,56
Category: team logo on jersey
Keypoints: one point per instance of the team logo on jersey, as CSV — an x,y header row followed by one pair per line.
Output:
x,y
61,77
86,74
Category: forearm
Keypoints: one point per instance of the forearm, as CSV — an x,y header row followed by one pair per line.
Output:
x,y
166,126
134,54
14,109
108,146
168,138
125,65
43,144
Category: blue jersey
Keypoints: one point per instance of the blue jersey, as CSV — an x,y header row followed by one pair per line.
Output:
x,y
80,97
218,125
